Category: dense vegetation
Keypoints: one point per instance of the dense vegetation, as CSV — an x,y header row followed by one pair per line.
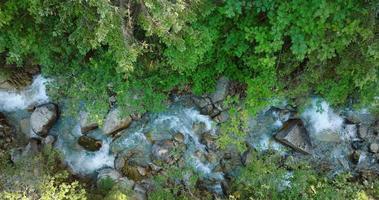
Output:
x,y
98,48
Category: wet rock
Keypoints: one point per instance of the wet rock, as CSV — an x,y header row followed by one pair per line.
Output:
x,y
114,122
85,124
248,157
136,116
162,151
199,128
125,184
43,118
374,147
363,131
359,117
294,135
231,160
154,168
33,147
179,137
221,92
354,157
209,141
350,131
214,113
14,78
139,192
16,154
107,174
90,144
222,117
201,102
376,127
25,126
225,187
49,140
357,145
133,172
119,162
207,110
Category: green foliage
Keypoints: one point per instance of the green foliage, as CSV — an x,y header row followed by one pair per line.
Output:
x,y
175,183
235,130
141,50
265,177
38,177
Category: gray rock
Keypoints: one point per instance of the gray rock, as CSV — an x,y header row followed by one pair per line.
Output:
x,y
209,141
221,92
43,118
363,131
179,137
85,123
374,147
294,135
139,192
207,110
114,122
25,126
108,173
222,117
350,131
14,78
119,162
33,147
125,184
199,128
16,154
49,140
248,157
201,102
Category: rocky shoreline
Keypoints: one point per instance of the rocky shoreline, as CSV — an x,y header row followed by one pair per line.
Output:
x,y
135,164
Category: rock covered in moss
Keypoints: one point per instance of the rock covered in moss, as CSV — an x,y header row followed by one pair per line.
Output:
x,y
89,143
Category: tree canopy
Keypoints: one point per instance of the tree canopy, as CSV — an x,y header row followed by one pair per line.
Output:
x,y
142,50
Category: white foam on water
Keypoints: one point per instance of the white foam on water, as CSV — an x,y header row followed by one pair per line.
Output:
x,y
18,100
82,161
87,162
197,117
322,118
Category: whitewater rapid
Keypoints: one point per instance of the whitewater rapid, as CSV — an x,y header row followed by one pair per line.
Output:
x,y
35,94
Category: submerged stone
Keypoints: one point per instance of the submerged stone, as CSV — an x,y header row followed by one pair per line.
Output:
x,y
89,143
294,135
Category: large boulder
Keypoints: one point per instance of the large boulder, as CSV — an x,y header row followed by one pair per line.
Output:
x,y
89,143
114,122
43,118
294,135
14,78
86,124
221,92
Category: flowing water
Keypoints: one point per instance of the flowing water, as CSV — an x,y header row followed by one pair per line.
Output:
x,y
35,94
331,135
